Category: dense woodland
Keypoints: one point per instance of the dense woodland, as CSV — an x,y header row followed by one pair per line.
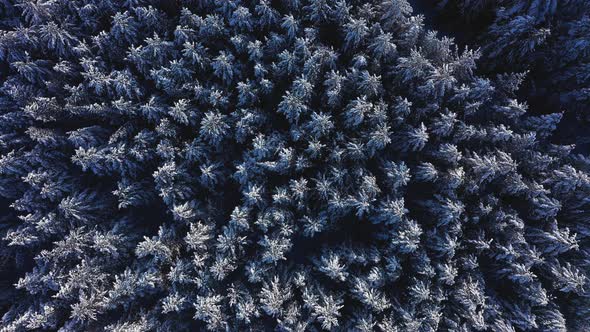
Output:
x,y
294,165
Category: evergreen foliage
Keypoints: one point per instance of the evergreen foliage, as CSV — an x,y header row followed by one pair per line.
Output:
x,y
289,165
549,40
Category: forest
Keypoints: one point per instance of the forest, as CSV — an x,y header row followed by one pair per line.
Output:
x,y
294,165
